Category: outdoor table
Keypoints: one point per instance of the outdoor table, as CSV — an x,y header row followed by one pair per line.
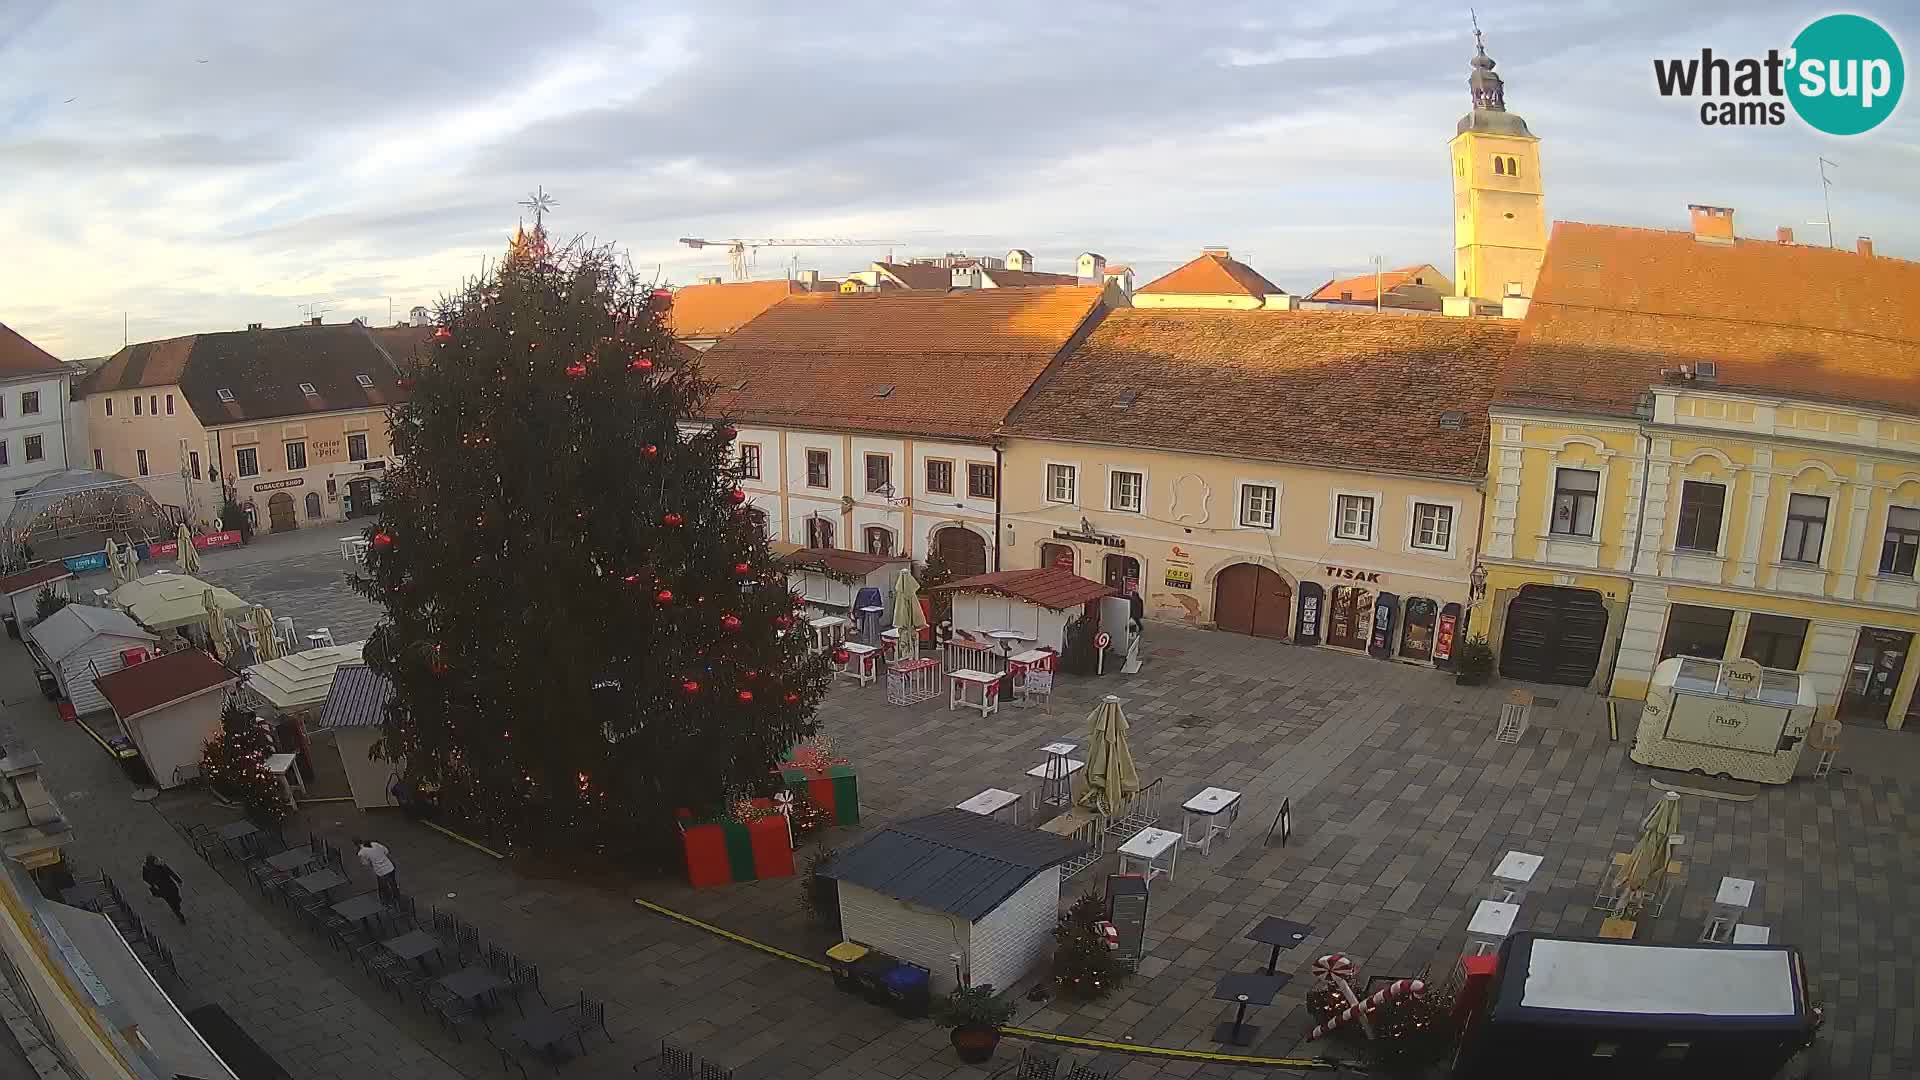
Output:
x,y
890,640
963,654
413,945
870,620
360,908
281,765
320,882
1491,923
292,859
1512,876
242,831
990,802
1751,934
542,1030
828,630
1209,806
1244,988
346,546
474,983
1621,929
1056,774
987,681
1149,846
910,682
1279,933
1728,905
862,664
1005,639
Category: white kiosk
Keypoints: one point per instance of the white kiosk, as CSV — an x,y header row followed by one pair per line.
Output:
x,y
1730,718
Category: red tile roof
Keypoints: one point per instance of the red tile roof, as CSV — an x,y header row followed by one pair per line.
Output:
x,y
1053,587
34,578
905,362
142,364
162,681
263,369
404,343
1023,279
1613,306
918,275
1212,274
18,356
1361,287
1353,389
852,564
711,311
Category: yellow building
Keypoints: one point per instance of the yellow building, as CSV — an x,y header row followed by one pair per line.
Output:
x,y
1499,206
1308,476
1214,280
1709,446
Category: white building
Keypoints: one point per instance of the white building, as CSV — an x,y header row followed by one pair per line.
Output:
x,y
34,388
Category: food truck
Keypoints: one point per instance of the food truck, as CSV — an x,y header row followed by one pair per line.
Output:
x,y
1578,1008
1728,718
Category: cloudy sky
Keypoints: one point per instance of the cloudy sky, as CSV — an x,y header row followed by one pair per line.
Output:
x,y
202,165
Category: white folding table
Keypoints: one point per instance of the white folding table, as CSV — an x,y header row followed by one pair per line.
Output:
x,y
1491,923
1512,876
1148,847
987,681
863,663
990,802
1210,807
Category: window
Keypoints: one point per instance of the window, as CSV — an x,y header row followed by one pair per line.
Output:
x,y
169,404
1902,543
1062,483
1775,641
1806,529
1576,495
939,476
1353,518
153,404
1702,505
225,395
357,446
140,461
1259,504
296,455
1432,527
819,470
109,406
3,452
819,532
749,461
307,389
36,448
193,462
879,540
136,405
30,403
365,381
1499,165
1126,491
879,474
979,481
99,459
1697,631
247,459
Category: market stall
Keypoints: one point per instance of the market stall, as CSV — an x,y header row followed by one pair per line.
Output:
x,y
351,720
1725,718
290,691
80,643
1013,611
169,707
165,601
833,582
22,592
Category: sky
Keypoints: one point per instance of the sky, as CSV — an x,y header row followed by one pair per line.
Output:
x,y
176,166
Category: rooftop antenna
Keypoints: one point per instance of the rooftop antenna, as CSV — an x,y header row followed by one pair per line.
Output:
x,y
1377,260
1826,199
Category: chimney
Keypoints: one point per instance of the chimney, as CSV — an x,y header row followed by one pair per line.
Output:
x,y
1091,267
709,281
1783,234
256,326
1864,246
1220,251
807,278
1712,224
315,321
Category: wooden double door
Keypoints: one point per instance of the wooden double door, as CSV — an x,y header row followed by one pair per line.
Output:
x,y
1249,599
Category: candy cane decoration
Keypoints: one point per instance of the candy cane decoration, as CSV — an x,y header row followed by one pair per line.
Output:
x,y
1339,972
783,802
1394,990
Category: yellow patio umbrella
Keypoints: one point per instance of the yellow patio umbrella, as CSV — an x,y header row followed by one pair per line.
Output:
x,y
267,645
113,563
216,625
1112,779
1647,865
907,616
188,557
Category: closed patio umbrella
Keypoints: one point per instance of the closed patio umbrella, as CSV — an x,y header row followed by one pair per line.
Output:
x,y
113,563
188,557
1112,780
266,643
907,617
129,562
1647,866
216,625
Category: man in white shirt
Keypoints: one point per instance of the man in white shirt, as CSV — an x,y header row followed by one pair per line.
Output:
x,y
374,855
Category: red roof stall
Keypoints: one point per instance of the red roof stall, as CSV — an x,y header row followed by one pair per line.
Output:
x,y
1035,604
22,590
169,707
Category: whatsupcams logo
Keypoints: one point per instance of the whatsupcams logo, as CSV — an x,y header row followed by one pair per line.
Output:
x,y
1843,75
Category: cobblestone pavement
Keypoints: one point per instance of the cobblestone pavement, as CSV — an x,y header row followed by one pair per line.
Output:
x,y
1402,802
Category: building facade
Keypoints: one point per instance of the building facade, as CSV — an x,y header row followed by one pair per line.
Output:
x,y
1267,473
1499,201
1679,469
1213,280
34,388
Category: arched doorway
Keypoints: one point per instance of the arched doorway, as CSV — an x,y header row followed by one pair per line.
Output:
x,y
1058,555
280,512
1416,629
359,498
1249,599
1122,570
963,550
1349,616
1554,635
313,506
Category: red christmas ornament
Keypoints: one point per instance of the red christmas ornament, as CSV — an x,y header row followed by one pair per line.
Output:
x,y
650,450
442,335
782,622
404,383
730,623
745,696
841,656
382,540
690,686
672,519
663,597
743,569
576,369
792,698
736,496
660,299
632,579
728,433
641,363
749,675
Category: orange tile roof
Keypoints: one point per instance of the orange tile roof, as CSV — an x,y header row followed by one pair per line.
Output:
x,y
1352,389
711,311
1023,279
142,688
956,361
919,275
145,363
1613,306
1053,587
18,356
1212,275
1361,287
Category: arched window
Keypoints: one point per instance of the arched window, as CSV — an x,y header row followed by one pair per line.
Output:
x,y
819,532
1513,166
1499,165
879,540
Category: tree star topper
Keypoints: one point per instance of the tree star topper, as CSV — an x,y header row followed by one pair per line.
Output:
x,y
539,203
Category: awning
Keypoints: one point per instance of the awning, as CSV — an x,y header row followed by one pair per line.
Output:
x,y
1051,587
164,601
301,680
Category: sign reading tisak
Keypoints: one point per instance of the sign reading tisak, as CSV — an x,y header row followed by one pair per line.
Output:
x,y
1347,573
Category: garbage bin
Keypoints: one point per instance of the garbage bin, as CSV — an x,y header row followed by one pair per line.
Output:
x,y
49,686
840,960
13,625
870,973
909,989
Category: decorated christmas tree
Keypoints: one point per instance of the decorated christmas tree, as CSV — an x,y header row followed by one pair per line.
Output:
x,y
584,630
1084,967
234,764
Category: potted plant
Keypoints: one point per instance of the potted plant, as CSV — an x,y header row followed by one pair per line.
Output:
x,y
1474,663
975,1014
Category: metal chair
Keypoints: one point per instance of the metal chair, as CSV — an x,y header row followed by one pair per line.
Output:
x,y
587,1014
499,961
466,942
711,1070
676,1063
449,1010
1037,1064
527,977
1088,1072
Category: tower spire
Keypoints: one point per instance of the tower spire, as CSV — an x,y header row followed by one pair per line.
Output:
x,y
1487,90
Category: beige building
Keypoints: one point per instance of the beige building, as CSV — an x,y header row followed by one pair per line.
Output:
x,y
1292,475
1214,280
291,420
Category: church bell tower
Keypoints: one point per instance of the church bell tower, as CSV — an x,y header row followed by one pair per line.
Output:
x,y
1499,209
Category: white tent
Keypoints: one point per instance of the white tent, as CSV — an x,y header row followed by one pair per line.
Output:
x,y
300,681
80,642
164,601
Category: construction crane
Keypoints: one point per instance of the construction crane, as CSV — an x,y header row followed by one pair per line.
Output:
x,y
738,251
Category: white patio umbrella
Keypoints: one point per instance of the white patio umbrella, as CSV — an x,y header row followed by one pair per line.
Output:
x,y
1112,779
188,557
216,625
907,616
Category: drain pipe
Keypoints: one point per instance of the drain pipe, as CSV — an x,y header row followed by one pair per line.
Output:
x,y
1633,563
999,483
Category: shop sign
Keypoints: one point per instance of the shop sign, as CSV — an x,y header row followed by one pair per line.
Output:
x,y
376,463
1088,536
1347,573
1179,577
80,564
275,485
1443,637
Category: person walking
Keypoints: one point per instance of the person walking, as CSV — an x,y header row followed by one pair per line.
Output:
x,y
164,883
374,855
